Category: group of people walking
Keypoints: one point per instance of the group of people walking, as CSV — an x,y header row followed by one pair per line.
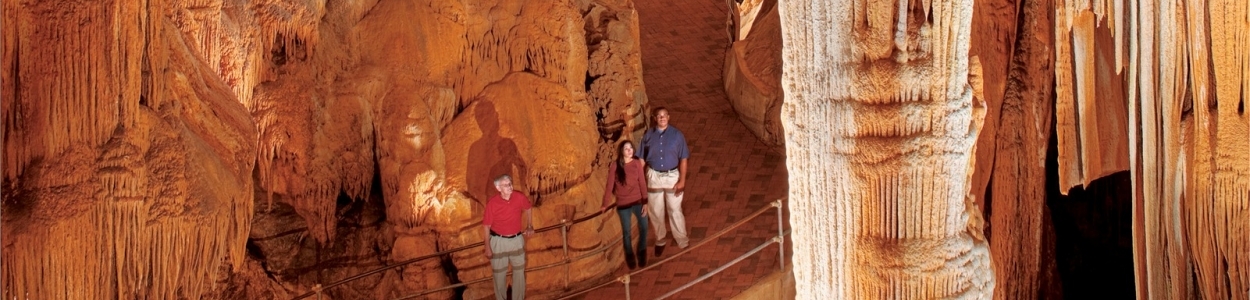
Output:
x,y
649,181
644,181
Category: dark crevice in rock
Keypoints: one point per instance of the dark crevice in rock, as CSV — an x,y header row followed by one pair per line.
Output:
x,y
591,80
284,50
278,54
254,251
453,273
1093,232
988,208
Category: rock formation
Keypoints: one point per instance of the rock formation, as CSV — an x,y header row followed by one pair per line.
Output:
x,y
1141,86
1018,65
128,161
1155,89
753,71
260,148
1188,81
878,93
257,148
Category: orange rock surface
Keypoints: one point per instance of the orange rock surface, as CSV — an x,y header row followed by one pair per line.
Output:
x,y
257,149
254,149
753,72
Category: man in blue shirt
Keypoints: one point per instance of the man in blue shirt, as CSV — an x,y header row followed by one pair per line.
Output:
x,y
664,150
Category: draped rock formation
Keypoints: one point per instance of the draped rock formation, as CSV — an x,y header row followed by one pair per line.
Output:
x,y
880,124
1152,88
1183,76
255,149
753,71
128,161
1018,63
1188,84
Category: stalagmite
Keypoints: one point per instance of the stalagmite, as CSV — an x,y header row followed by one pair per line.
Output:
x,y
880,140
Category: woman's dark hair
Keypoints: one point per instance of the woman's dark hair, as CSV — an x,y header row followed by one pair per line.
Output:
x,y
620,161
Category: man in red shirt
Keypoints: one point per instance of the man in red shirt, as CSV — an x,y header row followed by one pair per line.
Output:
x,y
506,219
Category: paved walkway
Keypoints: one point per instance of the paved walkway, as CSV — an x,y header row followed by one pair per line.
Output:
x,y
732,172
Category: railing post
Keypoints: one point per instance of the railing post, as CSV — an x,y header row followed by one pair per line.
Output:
x,y
317,288
625,280
564,237
781,242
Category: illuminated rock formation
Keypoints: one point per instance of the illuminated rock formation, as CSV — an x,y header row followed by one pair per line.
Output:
x,y
1188,84
1017,62
257,149
356,127
128,161
879,94
753,72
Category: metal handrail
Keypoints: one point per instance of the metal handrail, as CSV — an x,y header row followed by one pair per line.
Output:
x,y
779,239
319,288
625,278
776,239
601,248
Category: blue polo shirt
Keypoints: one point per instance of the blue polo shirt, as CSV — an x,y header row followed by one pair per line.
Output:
x,y
663,150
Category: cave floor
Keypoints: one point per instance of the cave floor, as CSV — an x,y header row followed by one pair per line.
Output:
x,y
732,173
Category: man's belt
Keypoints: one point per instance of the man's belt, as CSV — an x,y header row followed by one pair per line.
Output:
x,y
665,171
492,233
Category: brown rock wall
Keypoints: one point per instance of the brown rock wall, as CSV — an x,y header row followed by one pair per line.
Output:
x,y
752,75
127,159
353,123
1018,218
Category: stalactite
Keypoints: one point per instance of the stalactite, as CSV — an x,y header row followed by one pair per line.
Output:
x,y
1214,204
108,217
1186,166
1089,105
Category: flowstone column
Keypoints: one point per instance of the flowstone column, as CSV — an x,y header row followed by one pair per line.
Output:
x,y
880,124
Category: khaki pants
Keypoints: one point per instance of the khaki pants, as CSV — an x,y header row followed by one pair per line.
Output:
x,y
664,201
508,251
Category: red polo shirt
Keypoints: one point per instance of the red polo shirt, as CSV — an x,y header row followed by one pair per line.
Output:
x,y
504,216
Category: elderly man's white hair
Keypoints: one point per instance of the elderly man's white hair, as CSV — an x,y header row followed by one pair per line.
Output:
x,y
502,178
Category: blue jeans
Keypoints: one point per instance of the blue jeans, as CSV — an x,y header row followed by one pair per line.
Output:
x,y
626,229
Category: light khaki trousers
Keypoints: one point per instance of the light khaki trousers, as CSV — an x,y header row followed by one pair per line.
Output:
x,y
508,251
664,202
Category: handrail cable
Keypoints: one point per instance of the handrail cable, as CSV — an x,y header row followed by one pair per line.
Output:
x,y
320,288
601,248
625,278
776,239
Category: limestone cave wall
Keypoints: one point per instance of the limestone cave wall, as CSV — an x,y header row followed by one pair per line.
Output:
x,y
254,149
752,71
1147,97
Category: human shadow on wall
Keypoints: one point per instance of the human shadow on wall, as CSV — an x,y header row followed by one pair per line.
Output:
x,y
492,155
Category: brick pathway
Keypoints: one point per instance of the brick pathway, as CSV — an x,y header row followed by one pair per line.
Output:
x,y
732,172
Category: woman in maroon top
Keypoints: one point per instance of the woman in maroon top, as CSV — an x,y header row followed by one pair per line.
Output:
x,y
627,183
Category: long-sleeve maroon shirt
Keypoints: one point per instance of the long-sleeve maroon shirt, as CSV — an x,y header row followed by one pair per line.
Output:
x,y
633,190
